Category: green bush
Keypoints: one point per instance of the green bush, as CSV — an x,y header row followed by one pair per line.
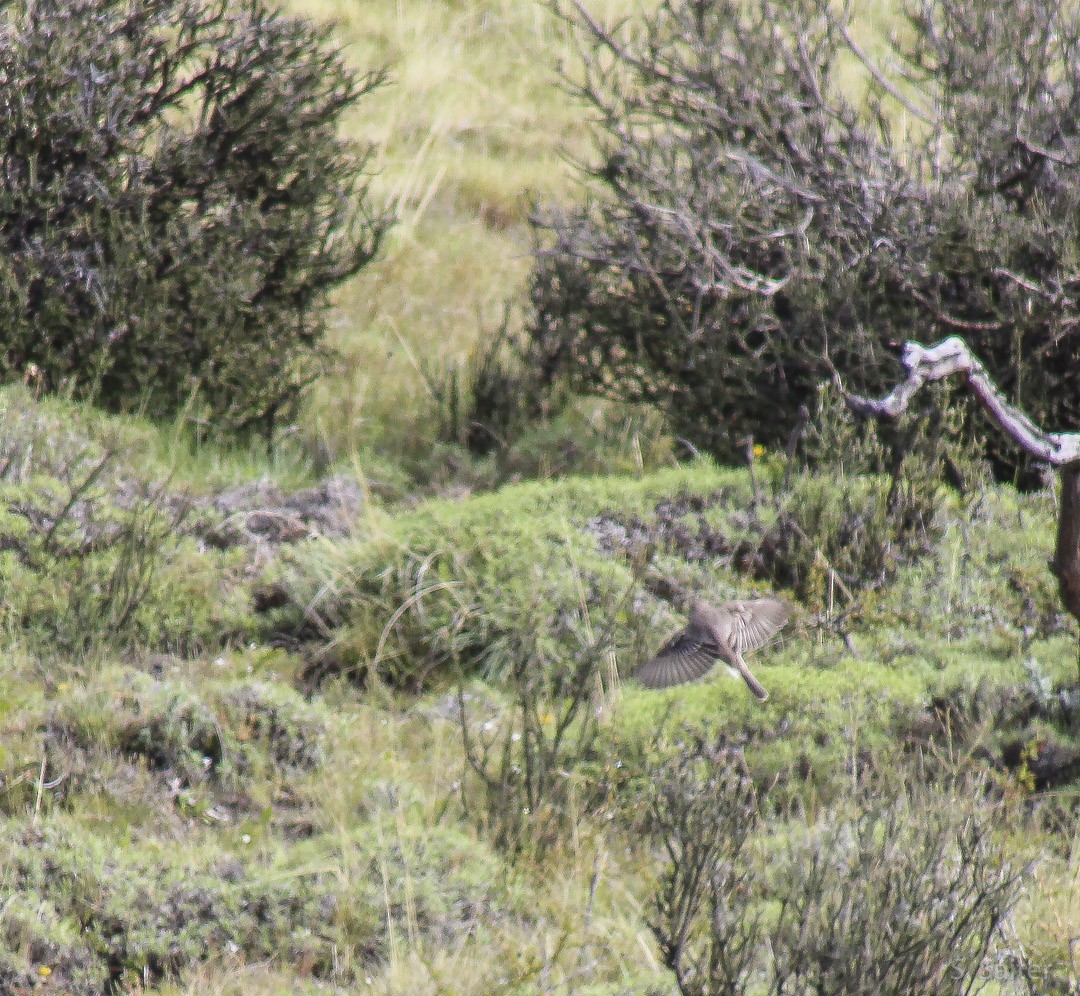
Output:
x,y
854,499
88,568
38,948
522,786
435,880
896,890
452,586
148,912
753,225
292,731
176,201
96,555
228,735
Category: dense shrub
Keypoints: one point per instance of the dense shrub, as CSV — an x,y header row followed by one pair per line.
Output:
x,y
216,745
755,221
898,890
859,498
454,585
175,201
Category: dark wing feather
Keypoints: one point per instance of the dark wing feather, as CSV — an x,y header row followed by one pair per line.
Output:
x,y
755,622
686,657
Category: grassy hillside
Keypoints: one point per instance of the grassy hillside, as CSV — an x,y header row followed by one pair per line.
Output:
x,y
240,786
268,732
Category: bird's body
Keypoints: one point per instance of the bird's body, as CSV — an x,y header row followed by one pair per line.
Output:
x,y
712,633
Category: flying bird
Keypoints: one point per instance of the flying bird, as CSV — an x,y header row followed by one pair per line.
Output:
x,y
716,632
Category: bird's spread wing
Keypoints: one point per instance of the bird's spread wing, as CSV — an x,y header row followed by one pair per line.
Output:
x,y
755,622
688,655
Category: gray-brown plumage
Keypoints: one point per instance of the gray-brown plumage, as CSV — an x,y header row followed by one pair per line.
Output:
x,y
716,633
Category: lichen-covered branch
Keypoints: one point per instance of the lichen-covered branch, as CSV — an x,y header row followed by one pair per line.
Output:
x,y
1060,449
952,356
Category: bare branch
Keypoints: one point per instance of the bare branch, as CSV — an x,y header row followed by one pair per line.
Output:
x,y
951,356
883,80
1041,150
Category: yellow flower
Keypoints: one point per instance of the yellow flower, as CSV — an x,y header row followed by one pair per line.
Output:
x,y
44,971
759,450
547,718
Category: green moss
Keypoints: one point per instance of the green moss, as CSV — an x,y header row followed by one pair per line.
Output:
x,y
40,948
818,726
291,730
448,585
151,911
226,731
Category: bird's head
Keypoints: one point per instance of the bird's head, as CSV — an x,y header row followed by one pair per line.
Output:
x,y
698,608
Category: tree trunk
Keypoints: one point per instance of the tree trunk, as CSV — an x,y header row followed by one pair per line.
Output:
x,y
1066,562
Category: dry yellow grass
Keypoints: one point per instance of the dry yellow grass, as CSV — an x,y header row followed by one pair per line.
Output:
x,y
473,130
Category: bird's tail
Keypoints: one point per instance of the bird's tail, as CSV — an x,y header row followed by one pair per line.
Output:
x,y
755,686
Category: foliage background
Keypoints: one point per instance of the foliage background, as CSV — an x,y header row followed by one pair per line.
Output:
x,y
251,778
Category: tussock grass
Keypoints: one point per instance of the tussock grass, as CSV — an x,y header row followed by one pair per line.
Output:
x,y
50,434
